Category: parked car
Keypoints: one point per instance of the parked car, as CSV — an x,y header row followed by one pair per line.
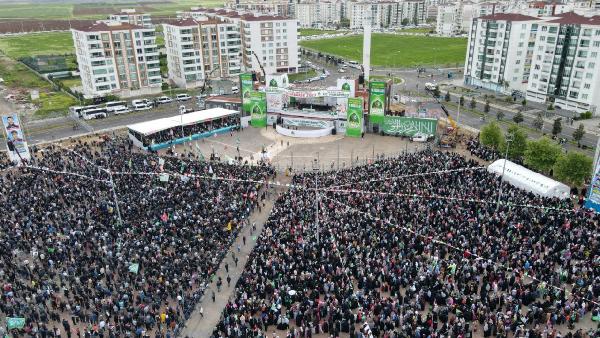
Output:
x,y
121,110
164,99
182,97
141,105
235,90
419,137
341,70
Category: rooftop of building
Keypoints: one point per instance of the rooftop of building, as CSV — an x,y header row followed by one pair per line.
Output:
x,y
508,17
571,18
222,98
102,26
191,22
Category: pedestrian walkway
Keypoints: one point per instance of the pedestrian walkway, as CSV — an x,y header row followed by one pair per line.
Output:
x,y
202,325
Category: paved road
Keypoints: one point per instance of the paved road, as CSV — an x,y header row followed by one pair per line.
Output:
x,y
201,326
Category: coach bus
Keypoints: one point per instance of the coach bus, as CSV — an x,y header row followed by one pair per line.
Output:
x,y
162,133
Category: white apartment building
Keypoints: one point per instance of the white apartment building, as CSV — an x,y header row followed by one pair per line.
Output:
x,y
200,49
382,14
319,14
130,16
117,58
307,14
271,7
499,51
566,63
448,21
272,40
412,12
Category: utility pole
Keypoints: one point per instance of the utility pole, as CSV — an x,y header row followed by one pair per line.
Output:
x,y
338,156
508,141
112,187
316,173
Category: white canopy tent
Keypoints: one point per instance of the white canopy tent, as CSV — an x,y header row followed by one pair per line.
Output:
x,y
150,127
526,179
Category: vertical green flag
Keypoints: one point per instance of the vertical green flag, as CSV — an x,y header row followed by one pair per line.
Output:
x,y
258,101
354,117
246,88
376,101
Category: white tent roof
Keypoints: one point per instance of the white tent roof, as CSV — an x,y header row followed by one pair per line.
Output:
x,y
526,179
150,127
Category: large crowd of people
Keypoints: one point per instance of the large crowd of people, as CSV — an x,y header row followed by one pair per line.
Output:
x,y
485,153
401,253
74,263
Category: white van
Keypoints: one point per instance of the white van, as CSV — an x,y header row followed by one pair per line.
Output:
x,y
235,90
121,110
140,105
182,97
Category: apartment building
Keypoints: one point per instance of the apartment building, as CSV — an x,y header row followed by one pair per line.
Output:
x,y
200,49
271,7
566,63
456,18
383,14
268,42
130,16
500,50
117,58
271,40
412,12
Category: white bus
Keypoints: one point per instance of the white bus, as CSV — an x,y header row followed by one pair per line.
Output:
x,y
78,110
94,113
110,106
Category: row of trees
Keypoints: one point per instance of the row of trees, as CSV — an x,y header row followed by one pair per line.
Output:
x,y
542,155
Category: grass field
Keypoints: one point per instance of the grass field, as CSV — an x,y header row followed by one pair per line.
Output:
x,y
302,76
58,10
397,79
71,82
50,103
391,50
312,31
37,44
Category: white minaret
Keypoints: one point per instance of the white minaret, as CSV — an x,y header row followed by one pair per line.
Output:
x,y
367,43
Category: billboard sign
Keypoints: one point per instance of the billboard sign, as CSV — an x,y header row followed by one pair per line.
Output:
x,y
354,119
15,139
347,86
593,200
409,126
376,101
246,87
258,110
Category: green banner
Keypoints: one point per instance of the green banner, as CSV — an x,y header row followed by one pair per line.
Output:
x,y
354,117
409,126
258,102
246,87
15,323
376,101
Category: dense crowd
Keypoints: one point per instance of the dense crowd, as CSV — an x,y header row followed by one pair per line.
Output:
x,y
72,267
188,130
404,254
485,153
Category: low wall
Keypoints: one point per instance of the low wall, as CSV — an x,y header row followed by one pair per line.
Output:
x,y
304,133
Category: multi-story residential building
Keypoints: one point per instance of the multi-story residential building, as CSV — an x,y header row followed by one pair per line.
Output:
x,y
200,49
448,21
412,12
268,42
271,7
117,58
330,12
319,14
499,51
307,14
383,14
566,63
130,16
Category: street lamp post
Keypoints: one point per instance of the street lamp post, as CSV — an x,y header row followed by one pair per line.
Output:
x,y
508,141
316,172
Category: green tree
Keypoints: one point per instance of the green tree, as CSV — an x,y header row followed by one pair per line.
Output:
x,y
557,127
461,101
473,103
491,136
517,146
486,108
578,133
574,168
538,123
524,103
499,115
405,22
541,155
447,97
518,118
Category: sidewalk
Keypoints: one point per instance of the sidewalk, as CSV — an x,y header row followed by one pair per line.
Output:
x,y
199,326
